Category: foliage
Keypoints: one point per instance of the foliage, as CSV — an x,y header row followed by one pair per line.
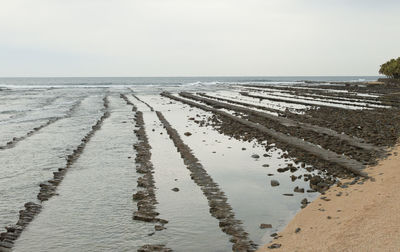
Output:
x,y
391,68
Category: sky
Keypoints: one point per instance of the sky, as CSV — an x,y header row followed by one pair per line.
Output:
x,y
88,38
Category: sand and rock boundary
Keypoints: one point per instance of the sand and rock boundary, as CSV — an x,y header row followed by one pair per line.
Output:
x,y
360,217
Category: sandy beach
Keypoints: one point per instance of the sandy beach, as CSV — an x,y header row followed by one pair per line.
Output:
x,y
365,217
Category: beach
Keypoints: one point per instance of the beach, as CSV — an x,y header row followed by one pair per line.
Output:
x,y
362,217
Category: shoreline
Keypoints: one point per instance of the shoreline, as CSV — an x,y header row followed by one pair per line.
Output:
x,y
362,217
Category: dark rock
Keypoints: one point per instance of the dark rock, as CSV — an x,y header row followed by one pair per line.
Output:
x,y
274,246
187,134
274,182
325,198
297,230
255,156
139,195
282,169
175,189
263,226
298,190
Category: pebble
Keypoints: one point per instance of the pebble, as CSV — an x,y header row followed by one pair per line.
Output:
x,y
175,189
263,226
298,190
274,182
274,246
159,227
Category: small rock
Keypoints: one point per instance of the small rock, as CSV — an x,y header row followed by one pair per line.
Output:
x,y
274,246
325,198
298,190
274,234
175,189
274,182
288,194
187,134
297,230
159,227
263,226
255,156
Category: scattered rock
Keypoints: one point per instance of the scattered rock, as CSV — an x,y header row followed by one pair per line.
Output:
x,y
325,198
304,202
263,226
274,182
187,134
175,189
298,190
274,246
159,227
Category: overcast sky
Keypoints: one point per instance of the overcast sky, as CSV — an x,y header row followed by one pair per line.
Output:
x,y
197,38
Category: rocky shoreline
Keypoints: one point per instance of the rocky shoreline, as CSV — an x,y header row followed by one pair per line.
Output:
x,y
364,145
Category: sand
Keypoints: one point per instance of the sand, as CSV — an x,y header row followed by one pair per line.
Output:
x,y
366,217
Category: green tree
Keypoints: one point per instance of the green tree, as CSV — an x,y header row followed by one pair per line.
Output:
x,y
391,68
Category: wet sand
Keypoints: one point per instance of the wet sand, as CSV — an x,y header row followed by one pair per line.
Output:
x,y
365,217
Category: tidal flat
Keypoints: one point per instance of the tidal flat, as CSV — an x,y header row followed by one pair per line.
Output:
x,y
220,167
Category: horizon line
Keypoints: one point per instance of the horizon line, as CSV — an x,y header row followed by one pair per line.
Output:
x,y
193,76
